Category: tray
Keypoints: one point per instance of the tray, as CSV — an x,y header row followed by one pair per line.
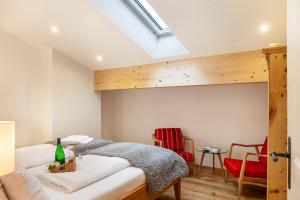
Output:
x,y
67,167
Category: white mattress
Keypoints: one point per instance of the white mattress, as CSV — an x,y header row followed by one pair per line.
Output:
x,y
110,188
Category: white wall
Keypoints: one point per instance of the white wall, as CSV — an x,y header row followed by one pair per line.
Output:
x,y
294,93
45,92
211,115
25,89
76,107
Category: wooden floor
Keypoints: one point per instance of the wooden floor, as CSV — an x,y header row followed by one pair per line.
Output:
x,y
211,186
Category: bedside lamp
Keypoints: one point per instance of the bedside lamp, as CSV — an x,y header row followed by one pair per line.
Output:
x,y
7,147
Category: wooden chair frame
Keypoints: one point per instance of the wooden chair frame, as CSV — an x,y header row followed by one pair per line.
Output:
x,y
244,180
191,164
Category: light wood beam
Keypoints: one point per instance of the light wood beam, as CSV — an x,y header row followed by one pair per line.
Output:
x,y
242,67
277,171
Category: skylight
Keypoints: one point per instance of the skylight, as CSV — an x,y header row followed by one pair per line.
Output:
x,y
138,20
154,14
149,17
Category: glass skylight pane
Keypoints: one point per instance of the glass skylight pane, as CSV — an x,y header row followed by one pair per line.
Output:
x,y
153,13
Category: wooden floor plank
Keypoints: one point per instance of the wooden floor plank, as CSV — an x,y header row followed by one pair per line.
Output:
x,y
211,186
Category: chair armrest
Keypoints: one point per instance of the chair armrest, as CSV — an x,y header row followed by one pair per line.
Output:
x,y
246,155
192,141
247,145
159,142
244,145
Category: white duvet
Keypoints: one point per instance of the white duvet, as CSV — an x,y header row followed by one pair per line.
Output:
x,y
90,169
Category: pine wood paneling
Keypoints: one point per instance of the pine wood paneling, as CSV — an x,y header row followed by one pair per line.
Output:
x,y
243,67
277,171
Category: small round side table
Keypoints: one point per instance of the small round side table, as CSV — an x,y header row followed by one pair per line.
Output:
x,y
218,154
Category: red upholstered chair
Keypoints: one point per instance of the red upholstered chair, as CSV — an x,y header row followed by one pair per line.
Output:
x,y
247,171
172,138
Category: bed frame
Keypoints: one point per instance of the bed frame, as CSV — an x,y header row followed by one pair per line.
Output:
x,y
141,193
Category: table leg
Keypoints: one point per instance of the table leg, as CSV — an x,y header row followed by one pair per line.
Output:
x,y
213,163
221,163
177,190
201,162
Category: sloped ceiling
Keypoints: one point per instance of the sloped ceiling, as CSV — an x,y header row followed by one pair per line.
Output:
x,y
203,27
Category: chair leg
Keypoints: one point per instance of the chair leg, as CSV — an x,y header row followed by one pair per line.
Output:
x,y
226,176
241,179
192,167
240,189
177,190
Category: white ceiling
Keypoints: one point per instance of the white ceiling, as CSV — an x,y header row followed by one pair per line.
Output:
x,y
204,27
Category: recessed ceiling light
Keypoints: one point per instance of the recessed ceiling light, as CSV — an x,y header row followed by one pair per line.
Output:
x,y
264,28
54,29
99,58
274,44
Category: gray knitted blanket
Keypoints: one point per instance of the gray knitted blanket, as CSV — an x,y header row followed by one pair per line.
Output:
x,y
161,166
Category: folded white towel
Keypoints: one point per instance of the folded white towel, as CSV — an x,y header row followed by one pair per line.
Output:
x,y
90,169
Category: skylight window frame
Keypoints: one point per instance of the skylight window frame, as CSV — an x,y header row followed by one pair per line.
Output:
x,y
143,14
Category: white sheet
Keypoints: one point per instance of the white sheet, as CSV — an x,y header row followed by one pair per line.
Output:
x,y
110,188
90,168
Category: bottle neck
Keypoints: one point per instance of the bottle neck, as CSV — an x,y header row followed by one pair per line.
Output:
x,y
58,141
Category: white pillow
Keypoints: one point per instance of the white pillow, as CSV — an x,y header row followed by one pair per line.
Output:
x,y
78,138
31,156
87,140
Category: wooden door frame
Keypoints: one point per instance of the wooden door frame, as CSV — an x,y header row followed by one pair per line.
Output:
x,y
277,171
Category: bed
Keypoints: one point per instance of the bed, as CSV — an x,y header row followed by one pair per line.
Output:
x,y
128,183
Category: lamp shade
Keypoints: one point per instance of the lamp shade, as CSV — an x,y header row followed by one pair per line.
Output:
x,y
7,147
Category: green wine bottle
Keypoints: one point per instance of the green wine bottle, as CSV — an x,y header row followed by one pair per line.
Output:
x,y
59,153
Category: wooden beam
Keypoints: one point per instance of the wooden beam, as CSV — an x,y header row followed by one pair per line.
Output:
x,y
277,171
243,67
